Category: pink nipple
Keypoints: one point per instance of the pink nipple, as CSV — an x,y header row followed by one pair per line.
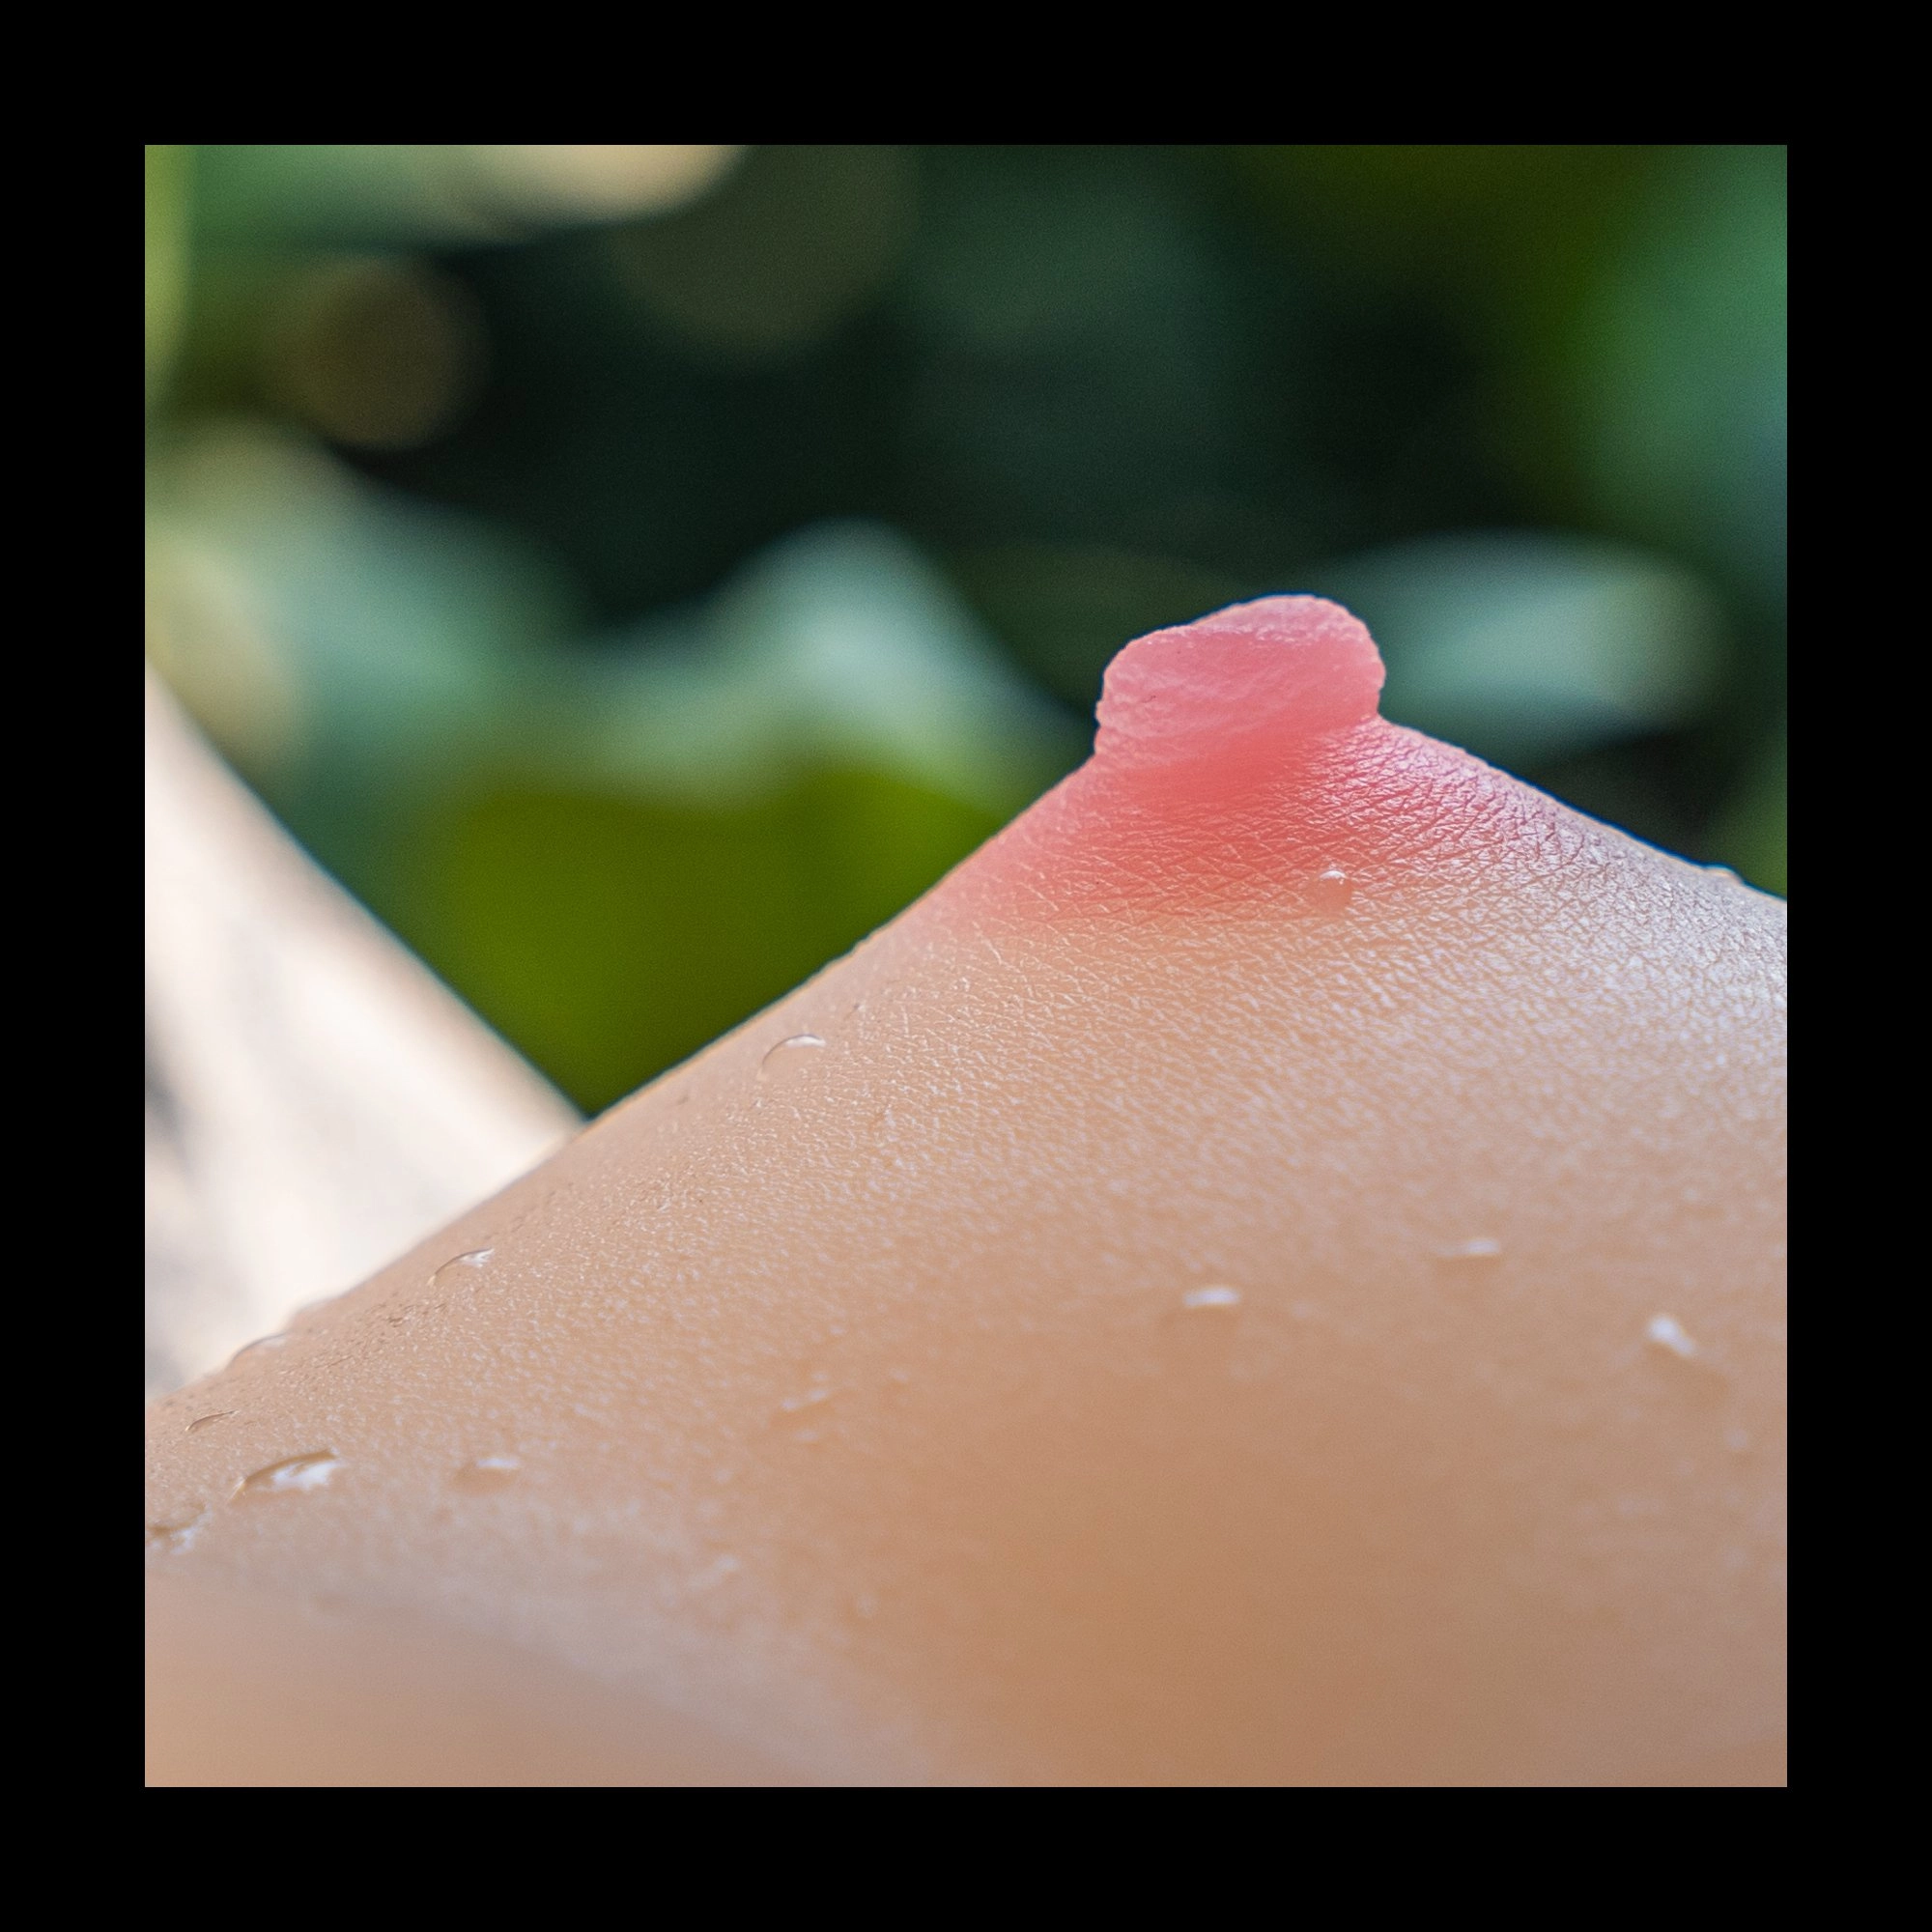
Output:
x,y
1270,672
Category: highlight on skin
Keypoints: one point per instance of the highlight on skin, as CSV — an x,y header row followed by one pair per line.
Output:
x,y
1272,1272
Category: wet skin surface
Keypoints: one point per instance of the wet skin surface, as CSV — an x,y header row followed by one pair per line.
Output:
x,y
1273,1271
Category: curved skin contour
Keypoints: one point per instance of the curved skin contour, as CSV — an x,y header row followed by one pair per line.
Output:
x,y
1272,1272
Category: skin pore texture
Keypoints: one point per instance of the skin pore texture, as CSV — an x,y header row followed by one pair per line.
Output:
x,y
1273,1271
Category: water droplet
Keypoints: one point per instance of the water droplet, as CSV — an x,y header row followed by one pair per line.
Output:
x,y
808,1435
451,1269
899,1376
789,1058
719,1570
1473,1253
865,1605
311,1470
1738,1441
1331,889
1664,1331
207,1421
817,1393
257,1346
482,1474
1211,1297
1725,872
175,1537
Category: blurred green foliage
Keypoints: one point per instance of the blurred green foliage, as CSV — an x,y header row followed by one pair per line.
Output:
x,y
636,572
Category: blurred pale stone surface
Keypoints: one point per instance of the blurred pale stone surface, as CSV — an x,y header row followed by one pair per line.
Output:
x,y
317,1102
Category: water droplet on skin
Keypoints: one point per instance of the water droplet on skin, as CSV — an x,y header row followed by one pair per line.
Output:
x,y
1738,1441
1216,1297
1331,889
808,1435
257,1346
175,1538
1482,1248
899,1376
818,1392
790,1057
719,1570
312,1470
1664,1331
201,1422
865,1605
484,1473
451,1269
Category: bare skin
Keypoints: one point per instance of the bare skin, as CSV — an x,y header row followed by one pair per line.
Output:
x,y
1272,1272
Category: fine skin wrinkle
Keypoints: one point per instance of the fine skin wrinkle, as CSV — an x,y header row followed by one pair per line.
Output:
x,y
1272,1272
